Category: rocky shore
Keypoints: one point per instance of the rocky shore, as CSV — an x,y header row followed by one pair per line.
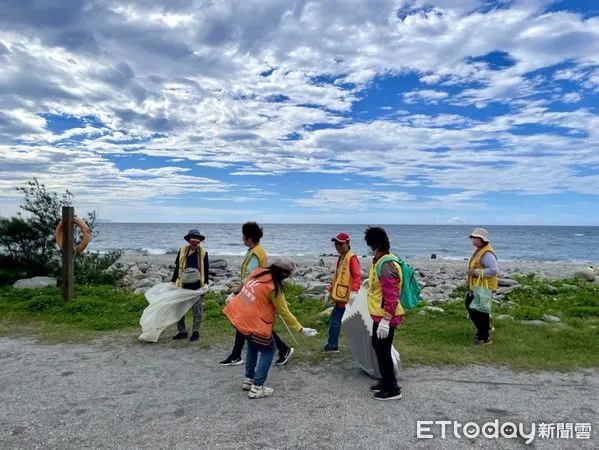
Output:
x,y
438,277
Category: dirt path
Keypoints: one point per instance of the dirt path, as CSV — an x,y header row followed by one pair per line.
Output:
x,y
114,395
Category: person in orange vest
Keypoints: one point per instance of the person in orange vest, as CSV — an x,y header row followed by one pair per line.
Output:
x,y
384,306
482,263
255,258
343,288
252,312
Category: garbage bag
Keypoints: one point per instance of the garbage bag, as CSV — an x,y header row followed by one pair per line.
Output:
x,y
167,304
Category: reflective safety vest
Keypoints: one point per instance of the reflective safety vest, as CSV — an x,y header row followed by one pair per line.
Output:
x,y
475,263
342,280
183,252
251,312
375,292
260,253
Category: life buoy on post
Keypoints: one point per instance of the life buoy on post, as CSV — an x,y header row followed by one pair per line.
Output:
x,y
84,232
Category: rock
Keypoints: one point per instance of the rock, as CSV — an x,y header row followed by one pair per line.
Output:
x,y
146,283
587,275
504,282
506,289
34,283
326,313
548,318
504,317
317,288
142,290
218,264
532,322
321,262
143,266
433,256
435,309
509,304
551,289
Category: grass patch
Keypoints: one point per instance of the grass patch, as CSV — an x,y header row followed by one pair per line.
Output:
x,y
434,338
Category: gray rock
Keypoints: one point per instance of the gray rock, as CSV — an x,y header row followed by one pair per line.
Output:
x,y
548,318
326,313
143,266
321,262
218,264
506,289
509,304
587,275
551,289
504,282
146,283
532,322
434,309
34,283
141,290
503,317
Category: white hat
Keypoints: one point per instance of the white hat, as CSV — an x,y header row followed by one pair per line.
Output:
x,y
284,263
480,233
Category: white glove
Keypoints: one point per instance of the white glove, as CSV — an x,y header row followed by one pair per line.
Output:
x,y
352,297
309,332
383,330
229,298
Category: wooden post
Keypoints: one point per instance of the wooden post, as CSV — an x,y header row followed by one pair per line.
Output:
x,y
68,253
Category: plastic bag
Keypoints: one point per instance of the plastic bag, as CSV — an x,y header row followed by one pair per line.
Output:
x,y
483,296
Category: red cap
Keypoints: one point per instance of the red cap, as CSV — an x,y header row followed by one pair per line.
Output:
x,y
341,237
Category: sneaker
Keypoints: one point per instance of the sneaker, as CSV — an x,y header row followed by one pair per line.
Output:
x,y
260,391
376,387
329,349
180,335
284,359
231,361
195,336
388,395
247,384
483,341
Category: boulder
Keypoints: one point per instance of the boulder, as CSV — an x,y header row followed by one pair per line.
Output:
x,y
218,264
503,317
506,289
505,282
143,266
532,322
35,282
552,319
587,275
433,309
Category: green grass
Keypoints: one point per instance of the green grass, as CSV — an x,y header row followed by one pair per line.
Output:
x,y
434,338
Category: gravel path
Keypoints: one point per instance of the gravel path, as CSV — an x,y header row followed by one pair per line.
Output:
x,y
110,394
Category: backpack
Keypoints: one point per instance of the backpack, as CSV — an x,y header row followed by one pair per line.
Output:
x,y
410,289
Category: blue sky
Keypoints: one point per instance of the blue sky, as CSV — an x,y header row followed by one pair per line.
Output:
x,y
404,111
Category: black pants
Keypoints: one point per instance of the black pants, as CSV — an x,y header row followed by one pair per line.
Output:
x,y
282,348
382,349
480,320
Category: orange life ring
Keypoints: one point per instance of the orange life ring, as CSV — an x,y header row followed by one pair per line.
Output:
x,y
84,232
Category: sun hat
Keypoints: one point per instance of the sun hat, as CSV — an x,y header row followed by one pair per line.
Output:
x,y
342,238
284,263
194,232
480,233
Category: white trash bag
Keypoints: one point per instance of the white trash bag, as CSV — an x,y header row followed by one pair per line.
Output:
x,y
167,304
357,324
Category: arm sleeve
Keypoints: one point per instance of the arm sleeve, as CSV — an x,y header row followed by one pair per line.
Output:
x,y
389,280
283,310
176,272
206,269
252,265
356,274
489,260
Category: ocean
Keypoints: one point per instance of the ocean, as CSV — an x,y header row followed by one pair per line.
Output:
x,y
528,243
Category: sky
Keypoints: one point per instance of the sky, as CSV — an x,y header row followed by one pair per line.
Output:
x,y
337,111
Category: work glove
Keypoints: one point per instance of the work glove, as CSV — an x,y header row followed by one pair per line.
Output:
x,y
309,332
383,330
229,298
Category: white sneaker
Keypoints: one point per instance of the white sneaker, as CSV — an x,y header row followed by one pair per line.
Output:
x,y
260,391
247,384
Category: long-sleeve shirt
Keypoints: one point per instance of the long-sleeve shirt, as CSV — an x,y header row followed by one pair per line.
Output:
x,y
489,262
282,309
252,265
391,291
194,255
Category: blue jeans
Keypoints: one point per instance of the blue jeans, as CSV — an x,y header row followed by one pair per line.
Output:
x,y
335,326
267,353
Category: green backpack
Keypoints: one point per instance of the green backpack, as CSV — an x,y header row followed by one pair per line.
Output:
x,y
410,289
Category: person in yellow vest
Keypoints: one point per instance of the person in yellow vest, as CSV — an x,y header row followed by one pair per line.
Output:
x,y
483,262
191,272
254,258
384,291
252,312
343,288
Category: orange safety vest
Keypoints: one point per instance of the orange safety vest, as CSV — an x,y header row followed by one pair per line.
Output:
x,y
251,311
342,280
475,263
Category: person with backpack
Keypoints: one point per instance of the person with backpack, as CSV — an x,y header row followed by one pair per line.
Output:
x,y
252,312
482,264
384,291
255,258
191,272
344,287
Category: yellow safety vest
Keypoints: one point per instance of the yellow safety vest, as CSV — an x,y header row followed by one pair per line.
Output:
x,y
183,251
260,253
375,292
342,280
475,263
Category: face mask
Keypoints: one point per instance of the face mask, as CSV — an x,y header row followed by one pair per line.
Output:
x,y
194,242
